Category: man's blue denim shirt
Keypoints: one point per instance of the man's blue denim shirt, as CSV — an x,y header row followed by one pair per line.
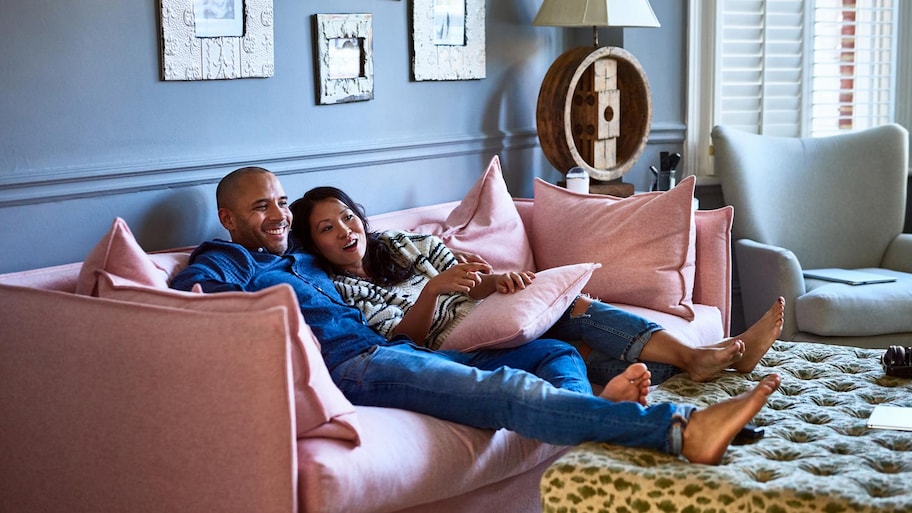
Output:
x,y
220,266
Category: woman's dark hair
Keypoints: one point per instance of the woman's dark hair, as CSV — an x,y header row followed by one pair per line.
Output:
x,y
378,261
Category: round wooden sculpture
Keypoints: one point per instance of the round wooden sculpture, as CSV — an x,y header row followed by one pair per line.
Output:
x,y
569,114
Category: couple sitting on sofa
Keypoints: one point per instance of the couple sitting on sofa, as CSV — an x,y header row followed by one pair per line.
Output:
x,y
539,389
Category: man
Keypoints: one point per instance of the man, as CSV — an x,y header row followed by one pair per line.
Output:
x,y
485,389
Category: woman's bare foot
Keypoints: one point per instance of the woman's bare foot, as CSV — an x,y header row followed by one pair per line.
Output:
x,y
709,431
759,337
631,385
704,363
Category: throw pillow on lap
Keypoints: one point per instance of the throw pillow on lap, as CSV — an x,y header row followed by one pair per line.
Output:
x,y
510,320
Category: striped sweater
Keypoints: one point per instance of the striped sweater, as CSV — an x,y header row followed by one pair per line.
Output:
x,y
383,307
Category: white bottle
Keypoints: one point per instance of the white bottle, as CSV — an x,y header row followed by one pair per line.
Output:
x,y
578,180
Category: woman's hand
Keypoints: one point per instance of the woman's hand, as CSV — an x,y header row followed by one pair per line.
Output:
x,y
510,282
464,257
459,278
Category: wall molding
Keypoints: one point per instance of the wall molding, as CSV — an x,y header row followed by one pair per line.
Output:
x,y
98,180
93,180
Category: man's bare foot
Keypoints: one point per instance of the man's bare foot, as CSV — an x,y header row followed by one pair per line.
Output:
x,y
709,431
706,362
759,337
631,385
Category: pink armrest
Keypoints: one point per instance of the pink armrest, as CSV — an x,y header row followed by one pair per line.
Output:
x,y
111,406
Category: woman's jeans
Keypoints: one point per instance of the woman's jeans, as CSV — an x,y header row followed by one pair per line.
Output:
x,y
494,389
616,337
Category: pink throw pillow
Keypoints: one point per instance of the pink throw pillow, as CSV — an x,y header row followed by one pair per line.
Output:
x,y
510,320
645,243
486,223
321,411
119,253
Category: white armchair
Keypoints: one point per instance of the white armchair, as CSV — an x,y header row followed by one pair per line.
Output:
x,y
809,203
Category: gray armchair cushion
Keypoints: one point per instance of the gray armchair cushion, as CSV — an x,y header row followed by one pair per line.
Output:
x,y
839,310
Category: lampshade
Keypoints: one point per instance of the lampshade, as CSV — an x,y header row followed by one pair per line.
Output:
x,y
596,13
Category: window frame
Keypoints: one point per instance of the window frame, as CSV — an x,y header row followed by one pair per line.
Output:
x,y
702,56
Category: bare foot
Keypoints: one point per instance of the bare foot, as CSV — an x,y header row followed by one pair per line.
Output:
x,y
705,363
709,431
759,337
631,385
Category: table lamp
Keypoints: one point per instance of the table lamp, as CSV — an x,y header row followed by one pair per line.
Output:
x,y
594,107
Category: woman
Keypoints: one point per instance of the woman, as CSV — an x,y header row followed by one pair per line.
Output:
x,y
410,284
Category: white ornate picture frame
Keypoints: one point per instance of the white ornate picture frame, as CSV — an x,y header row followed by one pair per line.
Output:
x,y
343,50
448,39
186,56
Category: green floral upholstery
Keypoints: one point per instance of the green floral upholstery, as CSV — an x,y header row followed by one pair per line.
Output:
x,y
817,456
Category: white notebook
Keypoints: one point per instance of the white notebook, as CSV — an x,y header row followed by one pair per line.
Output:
x,y
850,276
891,417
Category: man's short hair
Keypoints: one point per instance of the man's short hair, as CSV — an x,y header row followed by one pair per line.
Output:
x,y
228,185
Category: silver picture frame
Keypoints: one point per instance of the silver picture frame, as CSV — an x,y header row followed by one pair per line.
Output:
x,y
448,39
343,48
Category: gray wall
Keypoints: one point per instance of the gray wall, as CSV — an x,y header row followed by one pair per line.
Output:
x,y
88,131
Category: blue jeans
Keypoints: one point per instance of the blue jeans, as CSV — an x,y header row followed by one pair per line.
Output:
x,y
487,389
616,338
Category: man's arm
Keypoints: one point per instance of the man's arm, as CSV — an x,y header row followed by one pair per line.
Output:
x,y
215,267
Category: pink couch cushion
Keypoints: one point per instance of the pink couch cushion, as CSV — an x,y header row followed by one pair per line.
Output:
x,y
486,223
320,408
645,243
712,281
407,459
705,328
510,320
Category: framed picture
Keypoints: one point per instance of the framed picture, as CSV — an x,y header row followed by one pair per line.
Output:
x,y
216,39
448,39
344,55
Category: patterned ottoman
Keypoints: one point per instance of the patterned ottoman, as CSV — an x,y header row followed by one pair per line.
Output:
x,y
817,456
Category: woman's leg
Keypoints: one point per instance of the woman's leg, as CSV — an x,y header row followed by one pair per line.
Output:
x,y
617,336
560,364
741,353
610,339
557,362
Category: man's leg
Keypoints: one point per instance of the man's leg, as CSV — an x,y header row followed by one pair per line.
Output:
x,y
404,376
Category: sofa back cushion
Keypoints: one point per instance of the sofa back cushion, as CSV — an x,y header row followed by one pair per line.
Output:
x,y
320,408
645,243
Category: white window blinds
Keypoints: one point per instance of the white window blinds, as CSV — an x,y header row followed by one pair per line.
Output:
x,y
804,67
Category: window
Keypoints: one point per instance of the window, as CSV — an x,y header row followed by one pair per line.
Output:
x,y
792,68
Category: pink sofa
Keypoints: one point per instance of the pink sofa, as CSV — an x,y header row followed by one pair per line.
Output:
x,y
110,405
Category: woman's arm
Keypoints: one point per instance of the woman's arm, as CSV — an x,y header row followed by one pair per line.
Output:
x,y
460,278
506,283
